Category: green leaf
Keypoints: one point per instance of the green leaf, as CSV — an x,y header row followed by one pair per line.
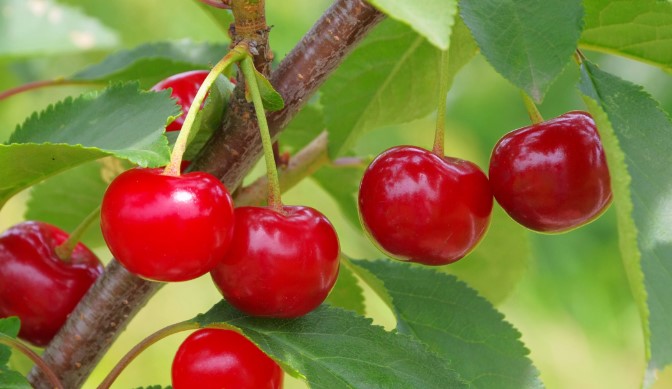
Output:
x,y
78,192
62,29
347,293
10,379
155,387
453,321
638,29
9,326
499,262
342,184
432,19
222,17
334,348
528,41
120,121
269,96
636,135
152,62
306,125
394,71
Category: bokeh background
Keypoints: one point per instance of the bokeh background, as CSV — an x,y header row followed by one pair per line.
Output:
x,y
572,303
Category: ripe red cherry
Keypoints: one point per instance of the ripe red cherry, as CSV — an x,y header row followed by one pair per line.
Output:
x,y
184,88
167,228
36,285
419,207
279,264
552,176
215,358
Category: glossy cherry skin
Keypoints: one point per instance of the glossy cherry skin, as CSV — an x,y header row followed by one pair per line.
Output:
x,y
279,265
184,88
419,207
552,176
215,358
36,285
167,228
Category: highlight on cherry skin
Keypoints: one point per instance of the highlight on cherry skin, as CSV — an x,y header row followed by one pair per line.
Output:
x,y
167,228
552,176
419,207
38,286
216,358
280,265
184,88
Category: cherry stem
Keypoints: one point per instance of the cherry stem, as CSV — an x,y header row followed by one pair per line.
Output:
x,y
43,84
142,346
532,109
274,199
444,86
17,345
223,4
235,55
65,249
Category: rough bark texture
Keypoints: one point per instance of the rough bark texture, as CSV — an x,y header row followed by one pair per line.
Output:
x,y
118,295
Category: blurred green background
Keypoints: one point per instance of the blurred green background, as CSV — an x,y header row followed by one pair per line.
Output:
x,y
573,304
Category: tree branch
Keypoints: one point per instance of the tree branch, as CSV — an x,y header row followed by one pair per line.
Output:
x,y
118,295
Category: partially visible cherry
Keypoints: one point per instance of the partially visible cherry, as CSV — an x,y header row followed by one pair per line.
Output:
x,y
216,358
419,207
552,176
184,88
167,228
280,264
36,285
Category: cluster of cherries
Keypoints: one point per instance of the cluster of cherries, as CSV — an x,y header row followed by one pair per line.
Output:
x,y
415,205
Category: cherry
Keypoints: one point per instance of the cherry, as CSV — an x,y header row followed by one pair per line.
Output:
x,y
184,88
167,228
280,264
552,176
419,207
36,285
215,358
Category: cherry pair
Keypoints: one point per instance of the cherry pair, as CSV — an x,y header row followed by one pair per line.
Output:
x,y
430,209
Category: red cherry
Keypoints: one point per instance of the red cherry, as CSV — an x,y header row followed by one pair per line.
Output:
x,y
184,88
419,207
36,285
280,264
167,228
552,176
215,358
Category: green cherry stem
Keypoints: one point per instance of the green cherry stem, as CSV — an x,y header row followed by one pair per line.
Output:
x,y
235,55
142,346
531,108
274,200
17,345
444,86
65,249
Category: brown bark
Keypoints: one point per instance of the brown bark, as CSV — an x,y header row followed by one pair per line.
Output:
x,y
118,295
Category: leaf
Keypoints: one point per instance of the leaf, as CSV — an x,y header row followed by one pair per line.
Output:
x,y
347,293
222,17
334,348
453,321
120,121
528,41
78,192
10,379
9,326
62,29
269,97
342,184
152,62
155,387
638,29
432,19
636,135
394,71
499,262
304,127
